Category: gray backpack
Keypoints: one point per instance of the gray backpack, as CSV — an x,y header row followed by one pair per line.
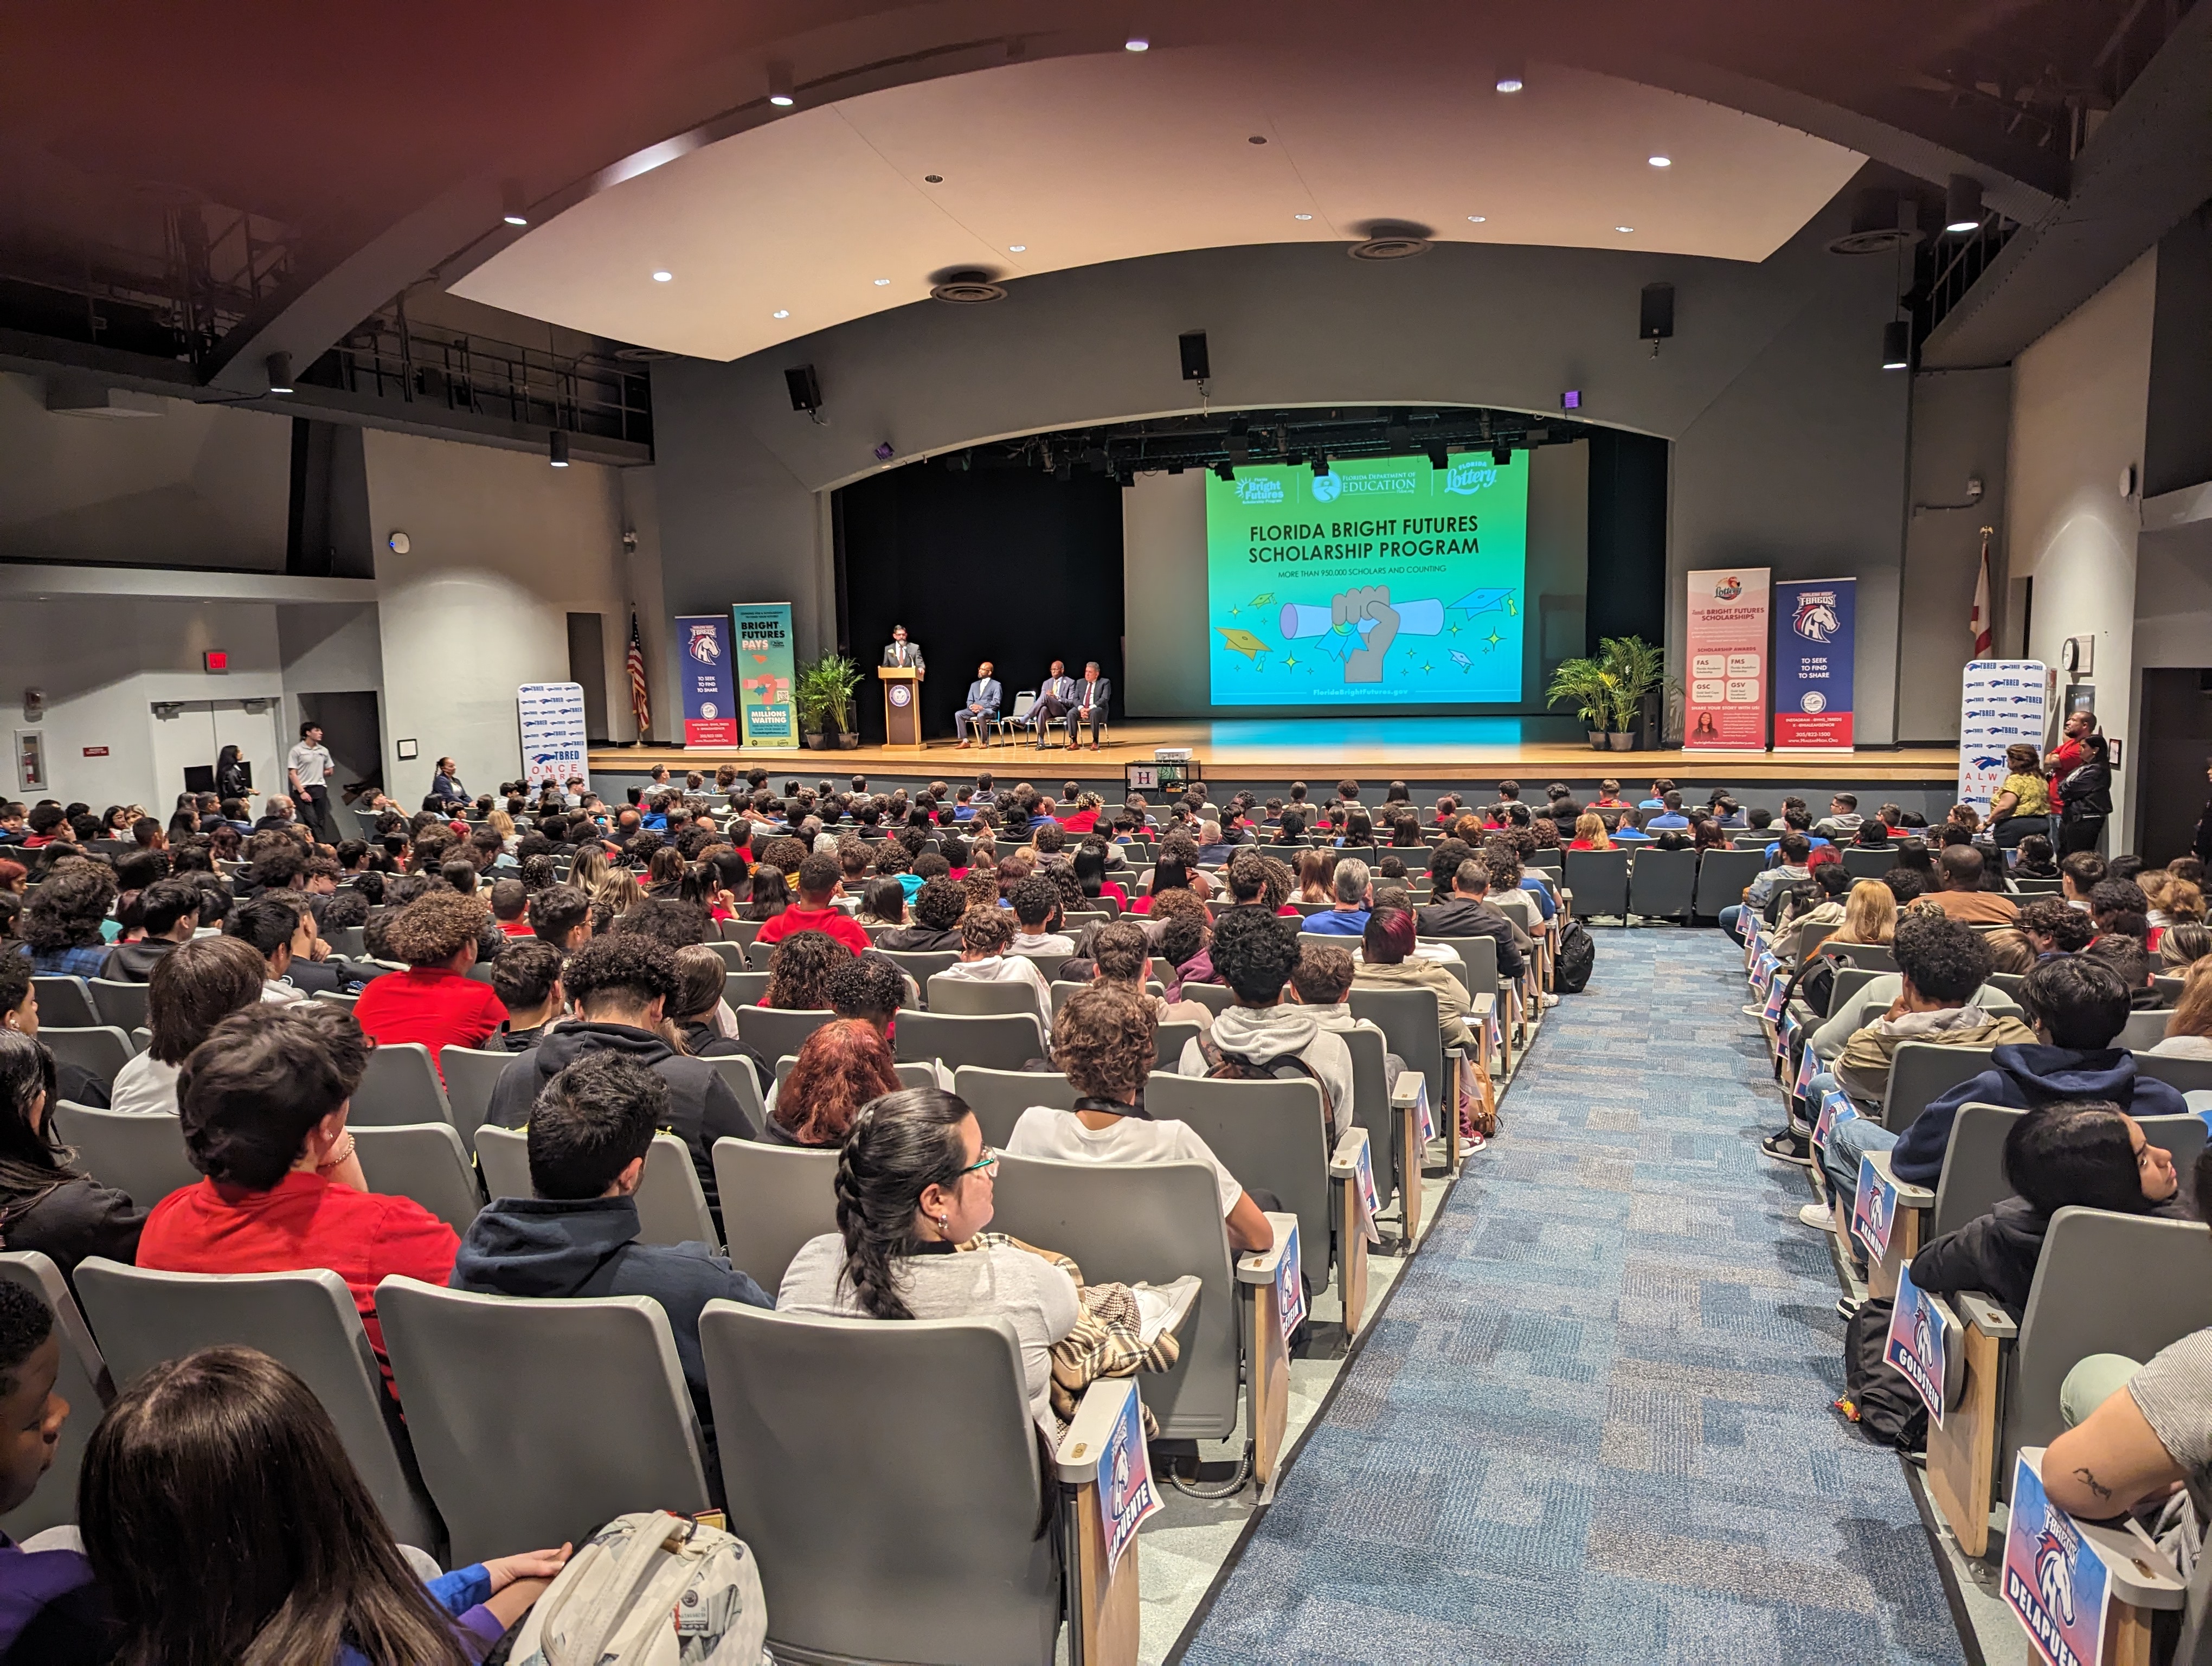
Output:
x,y
651,1589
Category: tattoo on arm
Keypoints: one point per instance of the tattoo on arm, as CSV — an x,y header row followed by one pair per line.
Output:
x,y
2090,1481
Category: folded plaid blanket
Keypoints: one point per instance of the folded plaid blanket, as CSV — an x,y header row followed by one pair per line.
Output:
x,y
1107,1340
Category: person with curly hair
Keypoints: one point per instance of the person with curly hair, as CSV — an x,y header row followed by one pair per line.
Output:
x,y
434,1001
987,937
800,970
1255,954
62,919
620,987
841,1066
1105,1044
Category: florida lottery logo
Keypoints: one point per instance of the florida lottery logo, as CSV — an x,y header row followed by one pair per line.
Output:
x,y
1728,588
705,645
1815,619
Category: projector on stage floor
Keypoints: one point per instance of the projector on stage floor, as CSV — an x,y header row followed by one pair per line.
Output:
x,y
1171,754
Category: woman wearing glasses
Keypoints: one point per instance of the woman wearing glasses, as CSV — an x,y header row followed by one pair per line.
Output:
x,y
914,1183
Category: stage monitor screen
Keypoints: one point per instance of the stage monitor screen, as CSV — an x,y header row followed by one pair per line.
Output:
x,y
1385,582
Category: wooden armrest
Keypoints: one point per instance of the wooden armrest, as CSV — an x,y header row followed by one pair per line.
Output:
x,y
1260,1266
1344,1162
1267,1354
1355,1226
1909,1196
1107,1608
1096,1413
1977,1309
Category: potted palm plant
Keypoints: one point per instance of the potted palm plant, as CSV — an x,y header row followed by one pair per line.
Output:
x,y
1636,669
1589,686
841,678
810,694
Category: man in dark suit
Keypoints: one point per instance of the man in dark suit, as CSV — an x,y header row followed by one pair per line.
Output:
x,y
1089,704
901,652
1469,913
1054,699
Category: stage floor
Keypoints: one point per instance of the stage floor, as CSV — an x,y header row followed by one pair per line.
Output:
x,y
1408,747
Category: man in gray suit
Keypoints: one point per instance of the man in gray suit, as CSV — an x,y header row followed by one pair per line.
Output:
x,y
981,708
1088,705
902,652
1054,700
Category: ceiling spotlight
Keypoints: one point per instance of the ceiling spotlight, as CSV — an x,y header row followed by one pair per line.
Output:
x,y
778,85
882,283
1320,464
1962,204
1136,43
1501,455
512,209
557,449
783,312
1623,230
1476,219
1017,248
1660,161
1510,78
664,277
1302,217
279,366
1896,344
1226,470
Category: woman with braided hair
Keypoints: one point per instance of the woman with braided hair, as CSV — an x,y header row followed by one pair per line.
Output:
x,y
913,1182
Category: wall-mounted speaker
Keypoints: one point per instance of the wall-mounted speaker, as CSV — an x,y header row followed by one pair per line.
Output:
x,y
806,392
1195,368
1655,317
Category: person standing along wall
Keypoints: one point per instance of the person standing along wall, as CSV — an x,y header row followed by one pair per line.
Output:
x,y
307,770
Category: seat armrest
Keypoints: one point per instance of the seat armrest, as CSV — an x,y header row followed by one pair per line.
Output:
x,y
1407,1090
1260,1266
1909,1196
1985,1316
1096,1414
1344,1162
1481,1007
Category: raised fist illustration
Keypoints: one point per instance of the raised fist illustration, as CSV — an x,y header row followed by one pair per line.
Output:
x,y
1348,611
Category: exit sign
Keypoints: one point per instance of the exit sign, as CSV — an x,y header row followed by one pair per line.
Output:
x,y
96,752
216,659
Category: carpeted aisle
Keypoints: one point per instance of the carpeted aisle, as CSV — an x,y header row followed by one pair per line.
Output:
x,y
1593,1425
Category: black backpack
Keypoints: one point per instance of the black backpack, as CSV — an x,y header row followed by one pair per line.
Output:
x,y
1577,957
1889,1410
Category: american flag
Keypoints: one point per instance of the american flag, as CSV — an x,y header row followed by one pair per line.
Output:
x,y
1980,621
640,702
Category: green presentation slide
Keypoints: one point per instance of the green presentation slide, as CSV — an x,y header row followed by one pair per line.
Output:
x,y
1384,582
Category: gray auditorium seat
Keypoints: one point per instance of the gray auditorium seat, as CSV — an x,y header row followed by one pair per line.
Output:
x,y
1921,1073
536,1421
776,1031
1599,879
672,1205
1004,1041
1000,1097
101,1048
471,1077
399,1086
425,1161
83,1382
1722,877
64,1002
1269,1135
121,1004
775,1198
1407,1019
2143,1030
920,964
1661,883
962,998
142,1155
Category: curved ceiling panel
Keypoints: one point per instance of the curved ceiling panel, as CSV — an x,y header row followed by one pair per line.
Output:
x,y
830,213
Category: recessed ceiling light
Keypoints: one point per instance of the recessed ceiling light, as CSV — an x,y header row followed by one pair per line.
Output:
x,y
1136,43
1660,161
783,312
1017,248
516,219
882,282
1302,217
1476,219
664,277
1623,230
779,86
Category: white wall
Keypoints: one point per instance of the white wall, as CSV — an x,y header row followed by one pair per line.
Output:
x,y
502,548
192,486
2078,405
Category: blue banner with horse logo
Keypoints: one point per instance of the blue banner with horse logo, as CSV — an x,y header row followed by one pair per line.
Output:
x,y
1126,1497
1874,1211
1915,1346
2053,1578
1815,634
710,701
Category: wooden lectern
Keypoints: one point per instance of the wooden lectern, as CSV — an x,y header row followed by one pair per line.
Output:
x,y
902,708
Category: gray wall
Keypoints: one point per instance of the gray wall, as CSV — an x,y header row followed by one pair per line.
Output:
x,y
1791,441
1959,423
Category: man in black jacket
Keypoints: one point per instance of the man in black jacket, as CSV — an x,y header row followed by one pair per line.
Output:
x,y
1469,912
170,911
620,985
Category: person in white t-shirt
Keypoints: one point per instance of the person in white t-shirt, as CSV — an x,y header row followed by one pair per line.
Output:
x,y
194,987
987,934
1035,903
306,771
1104,1043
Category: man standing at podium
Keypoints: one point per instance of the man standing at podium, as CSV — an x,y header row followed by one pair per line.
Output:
x,y
903,653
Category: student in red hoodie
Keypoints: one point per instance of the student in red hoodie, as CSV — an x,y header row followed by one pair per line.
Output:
x,y
820,879
435,1001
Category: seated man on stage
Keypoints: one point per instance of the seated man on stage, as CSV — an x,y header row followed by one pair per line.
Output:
x,y
1088,705
981,710
1054,700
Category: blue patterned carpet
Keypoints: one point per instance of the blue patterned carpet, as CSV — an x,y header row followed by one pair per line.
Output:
x,y
1593,1426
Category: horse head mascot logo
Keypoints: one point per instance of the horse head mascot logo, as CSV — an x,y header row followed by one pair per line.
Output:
x,y
705,645
2054,1576
1816,620
1924,1337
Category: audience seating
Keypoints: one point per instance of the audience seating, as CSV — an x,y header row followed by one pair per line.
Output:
x,y
745,988
1866,864
350,941
776,1031
739,1074
672,1205
471,1077
1171,1040
425,1161
2143,1030
775,1198
400,1086
337,999
742,932
2104,1284
83,1382
1214,997
732,955
1599,879
1393,1124
121,1005
2168,989
142,1156
1722,876
1061,990
2186,1075
101,1048
1921,1073
1000,1097
536,1421
1867,957
920,964
961,998
1004,1041
306,1319
907,1525
1407,1019
1661,883
64,1002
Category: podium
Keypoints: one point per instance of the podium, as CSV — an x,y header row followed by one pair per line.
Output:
x,y
902,708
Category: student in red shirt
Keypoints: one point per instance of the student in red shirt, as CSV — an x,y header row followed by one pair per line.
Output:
x,y
510,907
262,1102
820,879
434,1001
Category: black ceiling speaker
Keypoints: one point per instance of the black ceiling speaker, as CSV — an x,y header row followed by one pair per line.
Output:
x,y
1655,318
1196,365
806,392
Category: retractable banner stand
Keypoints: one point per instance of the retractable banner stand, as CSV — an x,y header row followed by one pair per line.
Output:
x,y
1724,703
764,673
1815,632
2001,704
552,724
710,709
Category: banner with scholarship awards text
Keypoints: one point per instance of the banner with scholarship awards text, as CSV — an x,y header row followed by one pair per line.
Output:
x,y
765,671
710,709
1815,634
1724,695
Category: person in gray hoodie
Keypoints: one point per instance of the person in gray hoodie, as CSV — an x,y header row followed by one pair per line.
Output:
x,y
1255,954
590,1129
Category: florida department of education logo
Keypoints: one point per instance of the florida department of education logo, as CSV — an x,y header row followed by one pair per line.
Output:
x,y
1327,488
705,644
1815,619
